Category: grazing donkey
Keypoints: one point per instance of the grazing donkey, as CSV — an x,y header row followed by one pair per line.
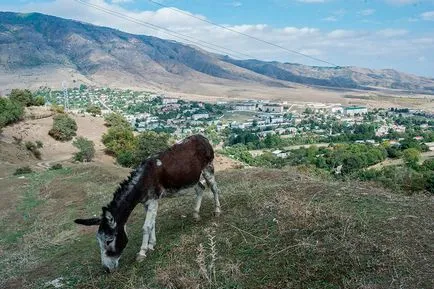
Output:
x,y
185,164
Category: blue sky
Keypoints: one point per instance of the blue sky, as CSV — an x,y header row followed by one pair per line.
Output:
x,y
396,34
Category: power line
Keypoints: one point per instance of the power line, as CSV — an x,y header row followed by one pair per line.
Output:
x,y
244,34
172,33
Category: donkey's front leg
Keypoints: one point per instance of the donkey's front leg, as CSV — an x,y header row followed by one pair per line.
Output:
x,y
149,240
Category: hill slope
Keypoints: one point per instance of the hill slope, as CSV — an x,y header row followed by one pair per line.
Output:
x,y
279,229
49,49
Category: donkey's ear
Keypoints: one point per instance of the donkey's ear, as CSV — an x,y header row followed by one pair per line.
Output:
x,y
109,217
88,222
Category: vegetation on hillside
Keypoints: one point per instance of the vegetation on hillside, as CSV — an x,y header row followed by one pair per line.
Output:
x,y
86,149
129,149
64,128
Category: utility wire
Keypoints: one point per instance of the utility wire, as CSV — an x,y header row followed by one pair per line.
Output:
x,y
172,33
244,34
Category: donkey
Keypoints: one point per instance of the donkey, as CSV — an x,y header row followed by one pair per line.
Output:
x,y
185,164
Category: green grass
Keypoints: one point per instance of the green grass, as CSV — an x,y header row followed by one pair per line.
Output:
x,y
279,229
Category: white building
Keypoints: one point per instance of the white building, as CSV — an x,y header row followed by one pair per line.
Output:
x,y
272,108
245,107
168,100
198,116
353,110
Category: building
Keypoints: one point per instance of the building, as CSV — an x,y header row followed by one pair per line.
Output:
x,y
169,100
245,107
353,110
198,116
272,108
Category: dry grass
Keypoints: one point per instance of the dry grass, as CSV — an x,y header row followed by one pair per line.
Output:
x,y
279,229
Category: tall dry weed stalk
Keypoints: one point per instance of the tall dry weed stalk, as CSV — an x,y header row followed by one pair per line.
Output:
x,y
207,257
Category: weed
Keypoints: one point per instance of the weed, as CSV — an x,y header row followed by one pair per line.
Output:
x,y
23,170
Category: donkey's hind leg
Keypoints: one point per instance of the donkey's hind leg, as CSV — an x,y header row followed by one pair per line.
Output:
x,y
199,188
208,174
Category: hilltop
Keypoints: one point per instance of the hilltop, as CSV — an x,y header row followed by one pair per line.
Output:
x,y
41,50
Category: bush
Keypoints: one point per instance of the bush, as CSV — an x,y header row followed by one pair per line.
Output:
x,y
93,110
115,119
64,128
119,139
39,144
23,170
57,108
56,167
23,96
10,111
126,158
86,149
150,143
32,147
411,157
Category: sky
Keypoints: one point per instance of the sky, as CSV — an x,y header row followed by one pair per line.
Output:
x,y
378,34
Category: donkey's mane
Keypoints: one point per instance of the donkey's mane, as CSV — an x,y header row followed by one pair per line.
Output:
x,y
126,186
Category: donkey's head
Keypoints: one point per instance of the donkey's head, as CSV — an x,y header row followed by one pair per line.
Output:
x,y
112,238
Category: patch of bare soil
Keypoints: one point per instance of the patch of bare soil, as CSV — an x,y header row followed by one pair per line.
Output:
x,y
54,151
222,163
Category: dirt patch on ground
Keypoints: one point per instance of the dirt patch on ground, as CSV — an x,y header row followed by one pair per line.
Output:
x,y
222,163
54,151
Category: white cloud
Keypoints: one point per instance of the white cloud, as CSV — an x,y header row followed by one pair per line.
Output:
x,y
121,1
428,16
236,4
330,19
312,1
367,12
392,32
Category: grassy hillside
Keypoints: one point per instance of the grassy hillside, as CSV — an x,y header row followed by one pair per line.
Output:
x,y
279,229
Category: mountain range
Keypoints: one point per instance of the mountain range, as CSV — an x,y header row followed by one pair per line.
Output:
x,y
45,50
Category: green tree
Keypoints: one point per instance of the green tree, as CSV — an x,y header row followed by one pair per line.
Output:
x,y
10,111
64,128
411,157
149,143
94,110
119,139
115,119
23,96
86,149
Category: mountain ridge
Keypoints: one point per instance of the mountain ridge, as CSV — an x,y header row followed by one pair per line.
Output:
x,y
109,56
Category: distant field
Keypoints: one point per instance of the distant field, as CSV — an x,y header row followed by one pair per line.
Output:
x,y
279,229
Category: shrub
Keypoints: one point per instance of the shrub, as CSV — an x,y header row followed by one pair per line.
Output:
x,y
93,110
23,96
119,139
86,149
126,158
32,147
57,108
64,128
411,157
149,143
39,101
115,119
23,170
10,111
56,167
39,144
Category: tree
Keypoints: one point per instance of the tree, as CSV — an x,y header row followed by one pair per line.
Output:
x,y
149,143
411,157
64,128
115,119
10,111
23,96
86,149
94,110
119,139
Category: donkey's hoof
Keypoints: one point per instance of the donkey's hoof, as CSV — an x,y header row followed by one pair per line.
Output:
x,y
140,257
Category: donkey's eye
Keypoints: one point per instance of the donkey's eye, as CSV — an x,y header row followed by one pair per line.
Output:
x,y
108,242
